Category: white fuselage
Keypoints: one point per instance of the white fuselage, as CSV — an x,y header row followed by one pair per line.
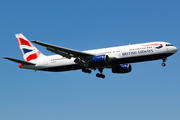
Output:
x,y
119,55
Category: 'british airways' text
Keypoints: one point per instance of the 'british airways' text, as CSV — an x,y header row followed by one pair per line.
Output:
x,y
137,52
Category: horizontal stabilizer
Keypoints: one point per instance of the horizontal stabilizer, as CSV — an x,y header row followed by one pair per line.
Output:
x,y
19,61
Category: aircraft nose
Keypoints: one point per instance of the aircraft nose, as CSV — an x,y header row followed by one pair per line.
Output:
x,y
175,49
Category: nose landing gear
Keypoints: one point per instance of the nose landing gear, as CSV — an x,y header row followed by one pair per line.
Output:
x,y
163,64
164,60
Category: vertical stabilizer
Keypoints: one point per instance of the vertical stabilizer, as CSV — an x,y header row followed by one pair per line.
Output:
x,y
29,51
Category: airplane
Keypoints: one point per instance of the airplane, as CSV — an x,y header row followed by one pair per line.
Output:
x,y
117,59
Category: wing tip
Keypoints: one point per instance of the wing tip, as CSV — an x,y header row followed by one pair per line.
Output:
x,y
34,41
5,57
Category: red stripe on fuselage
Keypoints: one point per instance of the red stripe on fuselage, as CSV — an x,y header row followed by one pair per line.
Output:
x,y
152,45
24,42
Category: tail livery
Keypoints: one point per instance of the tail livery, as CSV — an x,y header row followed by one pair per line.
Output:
x,y
29,51
27,48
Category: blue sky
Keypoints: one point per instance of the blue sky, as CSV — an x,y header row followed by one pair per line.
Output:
x,y
148,92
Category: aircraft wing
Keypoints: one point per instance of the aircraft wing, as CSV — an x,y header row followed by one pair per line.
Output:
x,y
65,52
19,61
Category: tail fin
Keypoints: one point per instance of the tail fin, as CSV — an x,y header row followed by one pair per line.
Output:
x,y
29,51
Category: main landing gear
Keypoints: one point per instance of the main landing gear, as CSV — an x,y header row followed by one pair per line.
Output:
x,y
100,75
164,60
85,70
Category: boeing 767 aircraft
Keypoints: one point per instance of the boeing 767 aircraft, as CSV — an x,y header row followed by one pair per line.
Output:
x,y
115,58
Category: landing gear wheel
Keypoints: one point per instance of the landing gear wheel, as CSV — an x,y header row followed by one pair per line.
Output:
x,y
103,76
163,64
100,75
164,60
86,70
89,71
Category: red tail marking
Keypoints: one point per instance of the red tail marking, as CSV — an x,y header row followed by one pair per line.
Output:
x,y
24,42
39,52
31,57
18,41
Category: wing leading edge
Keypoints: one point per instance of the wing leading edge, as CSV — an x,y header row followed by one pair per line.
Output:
x,y
65,52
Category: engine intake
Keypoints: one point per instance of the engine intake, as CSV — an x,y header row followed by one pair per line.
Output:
x,y
125,68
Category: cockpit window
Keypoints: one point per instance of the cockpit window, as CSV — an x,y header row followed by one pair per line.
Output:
x,y
169,45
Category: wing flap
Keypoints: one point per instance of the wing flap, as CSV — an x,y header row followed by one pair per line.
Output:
x,y
60,53
19,61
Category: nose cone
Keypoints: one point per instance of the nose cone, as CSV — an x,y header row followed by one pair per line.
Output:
x,y
175,49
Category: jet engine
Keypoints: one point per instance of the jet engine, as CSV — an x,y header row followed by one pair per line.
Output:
x,y
100,60
124,68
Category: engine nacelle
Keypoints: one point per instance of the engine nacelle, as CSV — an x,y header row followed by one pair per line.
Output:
x,y
100,59
125,68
